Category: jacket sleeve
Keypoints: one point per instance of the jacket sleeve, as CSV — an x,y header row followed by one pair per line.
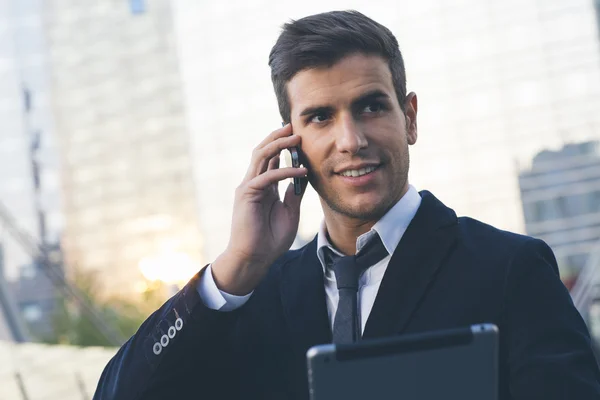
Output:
x,y
182,348
549,350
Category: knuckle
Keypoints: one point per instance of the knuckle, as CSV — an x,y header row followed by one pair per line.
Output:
x,y
283,144
262,153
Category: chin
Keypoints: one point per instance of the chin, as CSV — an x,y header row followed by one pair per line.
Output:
x,y
365,210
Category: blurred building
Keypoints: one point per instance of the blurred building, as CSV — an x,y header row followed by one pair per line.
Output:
x,y
29,160
30,200
5,333
497,82
561,203
5,328
36,296
12,326
128,189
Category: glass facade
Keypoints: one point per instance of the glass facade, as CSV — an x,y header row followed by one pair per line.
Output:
x,y
561,203
137,6
497,83
27,126
128,187
30,198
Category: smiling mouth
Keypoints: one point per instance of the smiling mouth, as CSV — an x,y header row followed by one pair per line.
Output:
x,y
358,172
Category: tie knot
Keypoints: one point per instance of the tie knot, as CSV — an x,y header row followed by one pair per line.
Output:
x,y
347,269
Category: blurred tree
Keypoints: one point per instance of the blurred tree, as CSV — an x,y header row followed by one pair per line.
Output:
x,y
71,326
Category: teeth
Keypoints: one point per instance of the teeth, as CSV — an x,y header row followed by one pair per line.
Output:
x,y
358,172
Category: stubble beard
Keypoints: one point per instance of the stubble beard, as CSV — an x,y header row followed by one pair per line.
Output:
x,y
335,202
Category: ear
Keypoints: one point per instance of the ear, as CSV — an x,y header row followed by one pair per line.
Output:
x,y
411,108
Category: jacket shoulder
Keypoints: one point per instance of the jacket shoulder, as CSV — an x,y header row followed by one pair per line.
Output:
x,y
472,229
486,239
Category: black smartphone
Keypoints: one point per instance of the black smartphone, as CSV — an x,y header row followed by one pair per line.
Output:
x,y
296,164
295,154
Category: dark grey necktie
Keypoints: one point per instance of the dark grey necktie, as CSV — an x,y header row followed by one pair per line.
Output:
x,y
347,269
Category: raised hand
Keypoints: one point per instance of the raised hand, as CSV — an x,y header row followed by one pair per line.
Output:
x,y
263,226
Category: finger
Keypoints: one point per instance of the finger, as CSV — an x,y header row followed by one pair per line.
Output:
x,y
261,156
255,169
277,133
273,149
291,200
273,176
274,163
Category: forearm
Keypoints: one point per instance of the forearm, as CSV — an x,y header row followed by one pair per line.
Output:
x,y
181,339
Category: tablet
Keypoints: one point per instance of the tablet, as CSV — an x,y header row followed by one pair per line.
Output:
x,y
451,364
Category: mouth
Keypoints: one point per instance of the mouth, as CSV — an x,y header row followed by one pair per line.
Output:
x,y
355,173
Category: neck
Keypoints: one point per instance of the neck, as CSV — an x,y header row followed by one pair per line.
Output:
x,y
342,232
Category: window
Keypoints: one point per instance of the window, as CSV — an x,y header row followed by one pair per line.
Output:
x,y
32,312
537,211
597,7
594,201
137,6
27,271
27,100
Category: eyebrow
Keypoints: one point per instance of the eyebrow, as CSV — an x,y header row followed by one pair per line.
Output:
x,y
370,96
364,98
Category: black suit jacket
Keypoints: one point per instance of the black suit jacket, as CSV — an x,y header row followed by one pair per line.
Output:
x,y
446,272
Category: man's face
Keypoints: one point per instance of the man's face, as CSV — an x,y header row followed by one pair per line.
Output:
x,y
354,134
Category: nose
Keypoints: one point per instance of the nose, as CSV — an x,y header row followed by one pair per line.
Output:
x,y
349,136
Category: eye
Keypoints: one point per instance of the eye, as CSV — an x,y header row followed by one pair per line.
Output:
x,y
374,107
319,118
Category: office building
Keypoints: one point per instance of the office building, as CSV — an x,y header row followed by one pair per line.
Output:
x,y
129,195
9,331
13,327
5,331
561,203
29,161
30,201
37,296
497,82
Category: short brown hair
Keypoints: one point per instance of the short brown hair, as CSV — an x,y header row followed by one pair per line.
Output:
x,y
324,39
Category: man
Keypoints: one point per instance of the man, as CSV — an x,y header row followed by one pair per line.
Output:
x,y
241,328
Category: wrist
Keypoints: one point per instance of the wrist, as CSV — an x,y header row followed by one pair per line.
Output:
x,y
236,275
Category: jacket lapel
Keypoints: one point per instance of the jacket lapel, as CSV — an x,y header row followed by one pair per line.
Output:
x,y
413,267
303,299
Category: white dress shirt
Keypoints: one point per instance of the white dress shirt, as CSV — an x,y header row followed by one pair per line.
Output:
x,y
390,228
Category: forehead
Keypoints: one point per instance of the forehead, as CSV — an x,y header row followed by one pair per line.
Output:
x,y
343,81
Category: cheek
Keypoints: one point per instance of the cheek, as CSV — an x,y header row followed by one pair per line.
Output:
x,y
396,140
314,154
310,160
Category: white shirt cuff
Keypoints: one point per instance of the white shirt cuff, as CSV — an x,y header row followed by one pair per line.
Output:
x,y
216,299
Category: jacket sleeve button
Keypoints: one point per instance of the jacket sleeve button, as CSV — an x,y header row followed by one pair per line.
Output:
x,y
164,340
178,323
171,332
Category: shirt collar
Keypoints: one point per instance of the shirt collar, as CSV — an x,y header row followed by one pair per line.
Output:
x,y
390,227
